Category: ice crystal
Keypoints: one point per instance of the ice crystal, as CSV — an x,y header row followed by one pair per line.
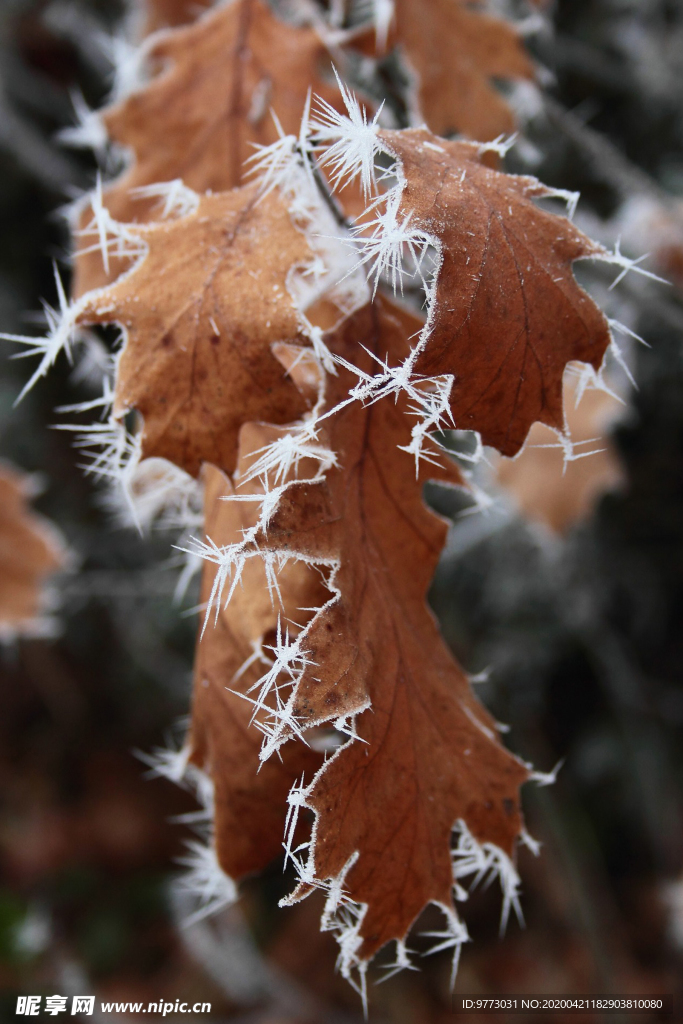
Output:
x,y
113,453
486,862
281,458
401,962
453,936
619,259
62,333
122,239
501,145
166,763
175,198
128,62
94,363
89,131
433,412
279,165
385,247
205,881
350,142
290,658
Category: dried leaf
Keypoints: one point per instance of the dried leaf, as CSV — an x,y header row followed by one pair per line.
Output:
x,y
199,118
202,312
29,554
172,13
507,314
560,494
250,799
427,754
456,52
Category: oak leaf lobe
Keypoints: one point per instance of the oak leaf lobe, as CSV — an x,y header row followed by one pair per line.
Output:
x,y
455,51
507,314
202,310
199,117
249,804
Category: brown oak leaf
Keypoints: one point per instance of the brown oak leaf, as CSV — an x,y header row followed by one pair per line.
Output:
x,y
198,119
456,52
507,314
249,804
428,754
202,311
29,553
560,494
172,13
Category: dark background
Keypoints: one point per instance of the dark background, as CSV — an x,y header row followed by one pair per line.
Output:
x,y
585,634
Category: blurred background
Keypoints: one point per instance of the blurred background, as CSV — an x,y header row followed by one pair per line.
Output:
x,y
568,590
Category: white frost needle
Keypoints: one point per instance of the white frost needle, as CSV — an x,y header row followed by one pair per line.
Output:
x,y
342,916
501,145
114,454
289,659
570,198
347,726
280,165
546,778
269,500
89,131
295,801
616,325
128,64
124,242
172,496
175,198
104,401
433,412
379,12
166,763
94,363
274,165
280,726
383,15
619,358
231,558
568,447
430,398
531,844
402,962
62,334
619,259
487,862
280,459
385,248
205,880
230,561
351,142
316,335
257,654
332,271
453,936
588,380
191,567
